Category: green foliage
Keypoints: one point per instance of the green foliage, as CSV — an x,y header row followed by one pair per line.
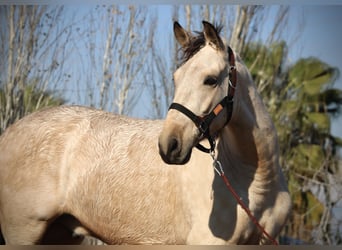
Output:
x,y
311,75
35,99
28,100
306,159
302,101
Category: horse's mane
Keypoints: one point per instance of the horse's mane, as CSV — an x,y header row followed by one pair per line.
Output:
x,y
197,42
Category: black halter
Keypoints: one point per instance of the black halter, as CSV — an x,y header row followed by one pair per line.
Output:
x,y
203,122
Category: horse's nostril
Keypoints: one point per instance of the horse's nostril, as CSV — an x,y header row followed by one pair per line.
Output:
x,y
171,149
173,146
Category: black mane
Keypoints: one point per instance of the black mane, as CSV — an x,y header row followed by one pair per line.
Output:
x,y
196,43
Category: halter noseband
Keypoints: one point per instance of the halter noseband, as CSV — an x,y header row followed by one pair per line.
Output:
x,y
203,122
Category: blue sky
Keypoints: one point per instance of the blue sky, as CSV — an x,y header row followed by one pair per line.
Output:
x,y
321,36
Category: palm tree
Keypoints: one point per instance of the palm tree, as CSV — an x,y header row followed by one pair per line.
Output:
x,y
302,102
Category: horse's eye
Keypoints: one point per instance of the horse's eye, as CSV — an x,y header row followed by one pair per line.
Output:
x,y
210,80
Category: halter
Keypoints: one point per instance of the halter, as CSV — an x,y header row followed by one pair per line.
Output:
x,y
203,122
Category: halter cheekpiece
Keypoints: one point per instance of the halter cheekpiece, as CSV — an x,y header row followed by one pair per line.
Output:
x,y
203,122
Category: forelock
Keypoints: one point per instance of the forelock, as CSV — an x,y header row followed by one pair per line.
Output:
x,y
196,43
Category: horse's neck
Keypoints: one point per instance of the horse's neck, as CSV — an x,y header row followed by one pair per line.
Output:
x,y
248,143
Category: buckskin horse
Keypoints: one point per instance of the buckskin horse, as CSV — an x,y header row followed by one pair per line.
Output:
x,y
70,171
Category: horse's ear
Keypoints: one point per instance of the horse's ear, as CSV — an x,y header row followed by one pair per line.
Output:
x,y
211,35
182,36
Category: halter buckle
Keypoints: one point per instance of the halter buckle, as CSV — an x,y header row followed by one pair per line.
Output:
x,y
203,127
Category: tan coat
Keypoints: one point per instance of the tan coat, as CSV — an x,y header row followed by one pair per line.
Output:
x,y
68,171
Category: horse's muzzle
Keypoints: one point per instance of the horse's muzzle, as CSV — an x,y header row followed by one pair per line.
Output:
x,y
172,152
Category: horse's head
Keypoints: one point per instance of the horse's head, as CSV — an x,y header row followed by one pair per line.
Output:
x,y
201,85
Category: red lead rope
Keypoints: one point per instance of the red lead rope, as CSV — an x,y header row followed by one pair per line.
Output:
x,y
242,204
216,163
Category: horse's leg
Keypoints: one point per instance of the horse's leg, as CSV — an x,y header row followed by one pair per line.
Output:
x,y
23,231
200,234
57,234
2,240
24,222
65,230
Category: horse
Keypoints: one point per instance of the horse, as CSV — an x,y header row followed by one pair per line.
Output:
x,y
71,171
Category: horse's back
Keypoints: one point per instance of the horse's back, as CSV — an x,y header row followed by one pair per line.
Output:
x,y
35,147
37,151
39,162
99,167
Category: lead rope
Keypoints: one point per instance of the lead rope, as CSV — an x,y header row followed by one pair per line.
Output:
x,y
219,170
